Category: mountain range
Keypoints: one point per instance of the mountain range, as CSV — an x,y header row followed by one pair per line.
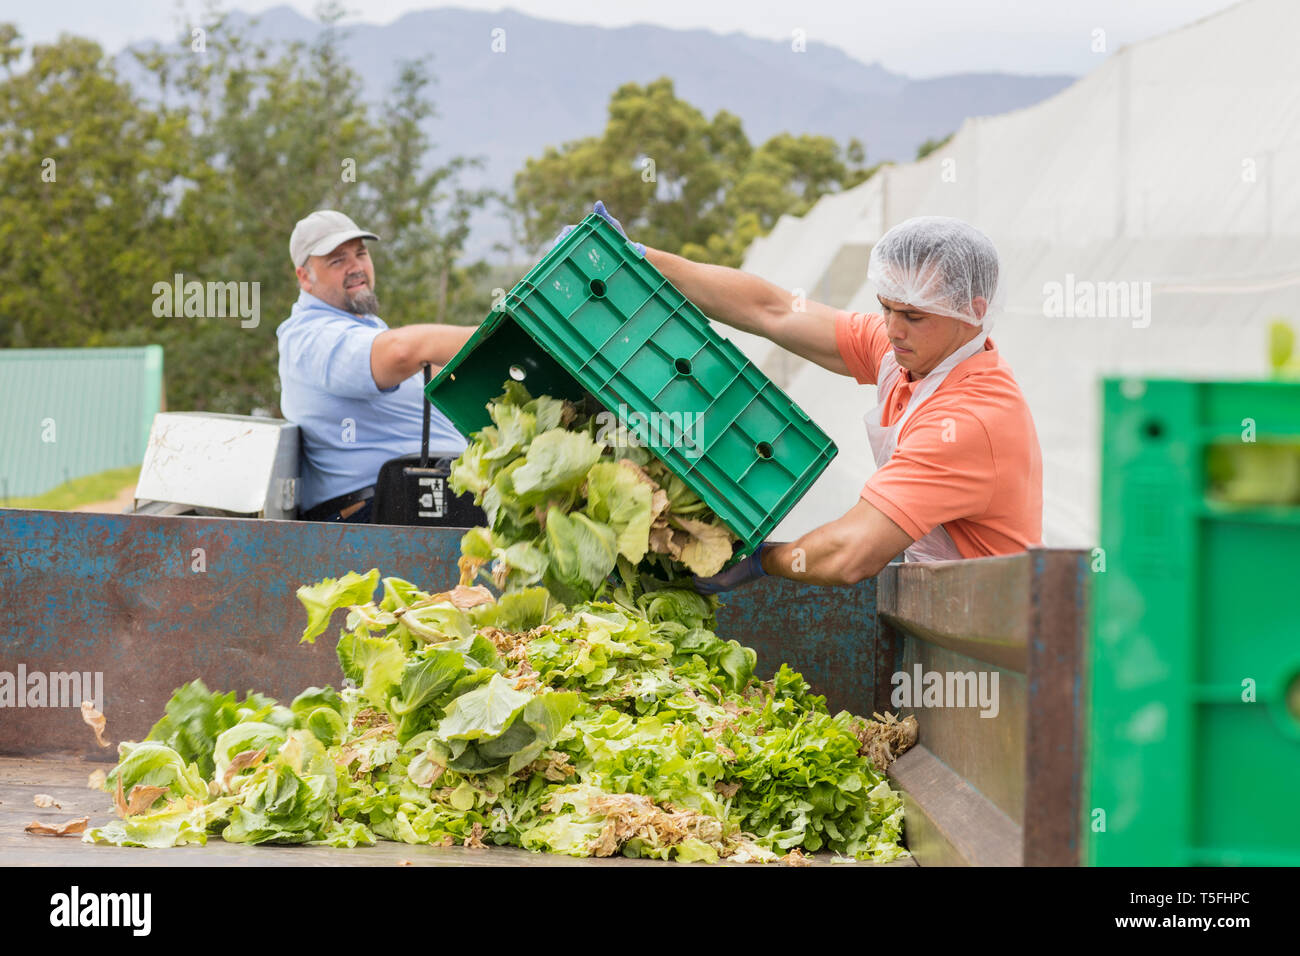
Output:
x,y
509,85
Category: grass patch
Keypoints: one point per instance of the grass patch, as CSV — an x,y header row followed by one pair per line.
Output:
x,y
79,491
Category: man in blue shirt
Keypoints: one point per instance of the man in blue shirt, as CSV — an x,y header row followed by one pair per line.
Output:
x,y
350,383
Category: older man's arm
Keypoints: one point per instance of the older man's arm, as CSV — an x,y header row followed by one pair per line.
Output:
x,y
397,354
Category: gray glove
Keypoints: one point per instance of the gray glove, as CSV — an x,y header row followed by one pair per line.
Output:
x,y
600,210
741,573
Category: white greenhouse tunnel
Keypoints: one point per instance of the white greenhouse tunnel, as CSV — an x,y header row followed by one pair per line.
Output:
x,y
1172,169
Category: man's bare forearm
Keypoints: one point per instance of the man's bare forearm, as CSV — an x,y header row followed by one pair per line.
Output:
x,y
841,552
738,299
751,304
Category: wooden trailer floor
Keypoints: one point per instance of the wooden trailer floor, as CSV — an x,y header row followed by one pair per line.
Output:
x,y
64,779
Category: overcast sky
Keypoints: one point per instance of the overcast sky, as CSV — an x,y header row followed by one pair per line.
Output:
x,y
914,37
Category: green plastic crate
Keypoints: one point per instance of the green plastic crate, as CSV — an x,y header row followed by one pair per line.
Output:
x,y
1196,610
593,317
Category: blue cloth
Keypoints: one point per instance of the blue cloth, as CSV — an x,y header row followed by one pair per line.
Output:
x,y
349,425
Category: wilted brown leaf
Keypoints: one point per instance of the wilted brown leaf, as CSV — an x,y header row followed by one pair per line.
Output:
x,y
119,798
44,800
95,720
662,540
707,548
243,760
142,798
886,738
68,828
468,568
475,839
462,596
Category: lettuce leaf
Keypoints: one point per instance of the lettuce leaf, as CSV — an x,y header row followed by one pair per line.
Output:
x,y
375,663
156,765
427,677
583,551
483,712
618,497
323,599
195,717
557,462
174,825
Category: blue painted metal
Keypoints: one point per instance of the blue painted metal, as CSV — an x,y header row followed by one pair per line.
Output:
x,y
827,634
153,602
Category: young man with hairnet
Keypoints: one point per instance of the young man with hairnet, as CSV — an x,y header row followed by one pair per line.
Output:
x,y
958,465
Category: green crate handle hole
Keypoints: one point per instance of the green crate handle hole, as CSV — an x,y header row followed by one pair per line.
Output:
x,y
683,366
598,288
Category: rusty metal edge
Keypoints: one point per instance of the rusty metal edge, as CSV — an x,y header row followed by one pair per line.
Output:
x,y
887,641
1054,737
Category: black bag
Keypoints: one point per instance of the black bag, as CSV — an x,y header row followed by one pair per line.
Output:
x,y
413,489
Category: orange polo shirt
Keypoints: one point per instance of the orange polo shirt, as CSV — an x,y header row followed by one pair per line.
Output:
x,y
967,459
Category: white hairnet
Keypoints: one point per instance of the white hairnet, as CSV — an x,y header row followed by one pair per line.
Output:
x,y
936,264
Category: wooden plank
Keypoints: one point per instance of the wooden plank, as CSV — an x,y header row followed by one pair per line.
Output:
x,y
986,752
1025,614
948,822
65,780
979,608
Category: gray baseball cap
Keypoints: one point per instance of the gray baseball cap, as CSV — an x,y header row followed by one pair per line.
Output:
x,y
321,232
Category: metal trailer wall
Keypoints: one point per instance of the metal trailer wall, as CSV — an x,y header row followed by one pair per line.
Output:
x,y
152,602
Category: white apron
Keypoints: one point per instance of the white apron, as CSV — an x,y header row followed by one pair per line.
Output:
x,y
938,544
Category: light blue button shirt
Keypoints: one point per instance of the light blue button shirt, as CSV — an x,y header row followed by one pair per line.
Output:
x,y
349,425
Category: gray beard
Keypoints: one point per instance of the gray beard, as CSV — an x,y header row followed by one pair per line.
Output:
x,y
362,302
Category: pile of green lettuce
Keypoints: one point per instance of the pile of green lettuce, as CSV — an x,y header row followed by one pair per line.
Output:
x,y
568,502
589,710
589,729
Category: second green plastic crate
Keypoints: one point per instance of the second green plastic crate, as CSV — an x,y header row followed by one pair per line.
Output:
x,y
1194,749
594,317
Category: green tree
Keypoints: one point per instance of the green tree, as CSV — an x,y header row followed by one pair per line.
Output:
x,y
930,145
681,181
426,212
87,171
206,180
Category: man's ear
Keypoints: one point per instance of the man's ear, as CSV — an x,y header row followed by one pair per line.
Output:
x,y
979,305
305,278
